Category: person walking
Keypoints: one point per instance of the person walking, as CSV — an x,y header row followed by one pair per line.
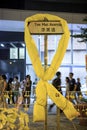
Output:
x,y
78,89
9,90
16,86
67,87
57,84
4,79
27,90
72,88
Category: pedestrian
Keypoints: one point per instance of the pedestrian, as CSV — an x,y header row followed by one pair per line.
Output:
x,y
67,87
78,89
72,88
27,90
57,84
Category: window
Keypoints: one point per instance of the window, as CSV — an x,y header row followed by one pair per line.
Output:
x,y
21,53
13,53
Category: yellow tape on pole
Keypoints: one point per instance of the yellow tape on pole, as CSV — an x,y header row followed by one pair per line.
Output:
x,y
43,86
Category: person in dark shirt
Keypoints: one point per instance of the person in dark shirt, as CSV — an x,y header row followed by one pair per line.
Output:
x,y
67,87
78,89
27,89
57,81
9,89
72,82
72,87
57,84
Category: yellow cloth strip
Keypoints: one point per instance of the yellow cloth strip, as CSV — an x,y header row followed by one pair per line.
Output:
x,y
56,97
8,117
43,88
62,102
38,112
33,52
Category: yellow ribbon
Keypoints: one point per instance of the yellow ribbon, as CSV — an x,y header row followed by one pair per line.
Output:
x,y
43,88
9,116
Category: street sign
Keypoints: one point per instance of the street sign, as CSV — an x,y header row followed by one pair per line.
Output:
x,y
45,27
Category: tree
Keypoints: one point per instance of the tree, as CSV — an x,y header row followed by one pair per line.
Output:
x,y
83,35
83,38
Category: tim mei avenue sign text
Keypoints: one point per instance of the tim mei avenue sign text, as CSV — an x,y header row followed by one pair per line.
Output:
x,y
49,27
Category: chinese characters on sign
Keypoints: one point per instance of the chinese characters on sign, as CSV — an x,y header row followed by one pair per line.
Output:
x,y
48,29
51,27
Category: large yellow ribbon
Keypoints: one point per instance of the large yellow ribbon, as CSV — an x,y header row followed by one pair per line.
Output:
x,y
43,88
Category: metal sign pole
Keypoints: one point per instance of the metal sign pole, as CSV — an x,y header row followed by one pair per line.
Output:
x,y
58,118
45,66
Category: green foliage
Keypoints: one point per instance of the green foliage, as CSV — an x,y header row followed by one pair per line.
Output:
x,y
83,34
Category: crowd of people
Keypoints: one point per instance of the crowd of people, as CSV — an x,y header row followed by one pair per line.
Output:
x,y
72,85
13,88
